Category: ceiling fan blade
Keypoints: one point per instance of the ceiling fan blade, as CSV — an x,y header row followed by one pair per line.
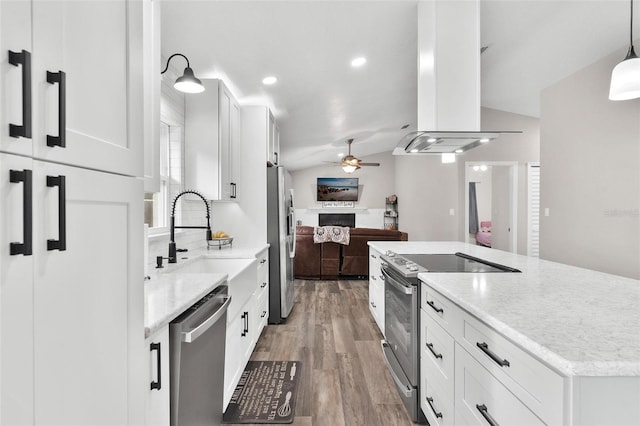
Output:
x,y
369,164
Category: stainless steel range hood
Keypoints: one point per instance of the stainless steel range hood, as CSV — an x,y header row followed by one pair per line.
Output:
x,y
442,142
448,81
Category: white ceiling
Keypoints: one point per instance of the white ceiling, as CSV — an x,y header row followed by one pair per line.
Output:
x,y
320,101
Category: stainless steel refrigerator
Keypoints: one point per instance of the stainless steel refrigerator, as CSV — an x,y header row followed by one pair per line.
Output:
x,y
281,236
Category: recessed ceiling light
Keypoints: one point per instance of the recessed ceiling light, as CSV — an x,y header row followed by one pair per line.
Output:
x,y
358,62
341,155
269,80
484,140
459,151
414,150
432,140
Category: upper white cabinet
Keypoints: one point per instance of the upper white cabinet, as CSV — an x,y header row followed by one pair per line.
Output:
x,y
84,99
273,145
152,84
212,142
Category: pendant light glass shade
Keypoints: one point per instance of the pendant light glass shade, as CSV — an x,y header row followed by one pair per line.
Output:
x,y
625,77
349,168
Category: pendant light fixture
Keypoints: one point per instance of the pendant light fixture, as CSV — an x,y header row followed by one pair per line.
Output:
x,y
625,77
188,83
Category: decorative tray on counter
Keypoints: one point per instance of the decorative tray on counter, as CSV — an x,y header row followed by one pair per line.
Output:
x,y
219,242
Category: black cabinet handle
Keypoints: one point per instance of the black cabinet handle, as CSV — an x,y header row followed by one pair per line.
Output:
x,y
374,256
245,317
61,78
373,305
485,348
275,156
157,384
485,413
23,58
373,277
61,243
264,314
26,247
233,190
430,346
433,306
436,413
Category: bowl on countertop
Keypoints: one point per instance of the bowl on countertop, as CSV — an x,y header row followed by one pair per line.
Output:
x,y
219,242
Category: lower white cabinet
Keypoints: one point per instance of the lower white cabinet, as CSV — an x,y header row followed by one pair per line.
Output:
x,y
246,319
71,310
376,289
157,396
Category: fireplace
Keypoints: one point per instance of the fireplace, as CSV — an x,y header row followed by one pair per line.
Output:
x,y
337,219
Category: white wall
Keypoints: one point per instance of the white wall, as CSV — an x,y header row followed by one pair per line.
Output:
x,y
590,173
375,184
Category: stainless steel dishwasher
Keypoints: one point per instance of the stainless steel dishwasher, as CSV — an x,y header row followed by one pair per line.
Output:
x,y
197,344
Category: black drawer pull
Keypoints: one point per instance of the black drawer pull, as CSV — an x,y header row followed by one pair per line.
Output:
x,y
157,384
61,243
264,314
234,190
437,355
60,78
275,156
23,58
373,305
437,414
485,348
433,306
373,277
485,413
374,256
24,248
263,285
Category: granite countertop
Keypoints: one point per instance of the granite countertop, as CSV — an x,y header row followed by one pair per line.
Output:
x,y
578,321
169,291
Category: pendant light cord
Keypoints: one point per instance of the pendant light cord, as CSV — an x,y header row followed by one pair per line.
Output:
x,y
185,58
631,25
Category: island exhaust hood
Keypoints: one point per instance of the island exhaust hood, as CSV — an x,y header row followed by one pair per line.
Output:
x,y
448,81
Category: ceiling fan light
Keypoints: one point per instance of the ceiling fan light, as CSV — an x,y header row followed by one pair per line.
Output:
x,y
625,79
349,168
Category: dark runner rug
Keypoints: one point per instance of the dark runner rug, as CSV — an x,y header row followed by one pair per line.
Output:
x,y
266,393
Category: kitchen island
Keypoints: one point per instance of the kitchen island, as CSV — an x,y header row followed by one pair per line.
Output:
x,y
581,327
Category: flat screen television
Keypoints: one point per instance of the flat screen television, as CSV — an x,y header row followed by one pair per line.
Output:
x,y
337,189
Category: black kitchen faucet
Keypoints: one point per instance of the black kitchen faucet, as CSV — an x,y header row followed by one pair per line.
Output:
x,y
172,243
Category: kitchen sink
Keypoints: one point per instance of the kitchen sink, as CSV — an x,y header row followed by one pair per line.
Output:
x,y
231,267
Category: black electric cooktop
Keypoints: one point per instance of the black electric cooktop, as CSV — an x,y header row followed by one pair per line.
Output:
x,y
458,262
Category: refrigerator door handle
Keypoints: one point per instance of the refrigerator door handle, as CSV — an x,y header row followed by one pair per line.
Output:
x,y
292,214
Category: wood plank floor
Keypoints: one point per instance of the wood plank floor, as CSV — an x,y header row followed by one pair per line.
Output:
x,y
344,378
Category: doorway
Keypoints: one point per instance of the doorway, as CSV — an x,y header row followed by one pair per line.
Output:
x,y
496,189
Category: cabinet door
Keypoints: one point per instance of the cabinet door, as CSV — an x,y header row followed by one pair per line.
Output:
x,y
88,297
16,299
152,83
98,45
229,113
233,362
157,401
15,36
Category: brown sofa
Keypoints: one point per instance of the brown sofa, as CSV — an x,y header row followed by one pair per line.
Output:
x,y
332,260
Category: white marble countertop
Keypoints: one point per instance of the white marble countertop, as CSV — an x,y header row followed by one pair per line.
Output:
x,y
169,291
578,321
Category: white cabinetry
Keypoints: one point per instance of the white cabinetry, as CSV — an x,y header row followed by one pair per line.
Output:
x,y
212,142
376,289
71,298
157,400
273,146
247,316
470,369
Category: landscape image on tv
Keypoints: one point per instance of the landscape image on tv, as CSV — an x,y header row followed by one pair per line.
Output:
x,y
337,189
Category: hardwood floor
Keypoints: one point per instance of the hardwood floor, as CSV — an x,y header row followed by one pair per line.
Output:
x,y
344,378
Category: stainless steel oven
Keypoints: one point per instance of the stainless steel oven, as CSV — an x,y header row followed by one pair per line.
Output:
x,y
402,328
402,308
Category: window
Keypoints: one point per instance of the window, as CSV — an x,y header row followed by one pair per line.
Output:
x,y
157,206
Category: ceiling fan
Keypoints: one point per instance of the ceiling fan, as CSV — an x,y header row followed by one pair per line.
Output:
x,y
351,163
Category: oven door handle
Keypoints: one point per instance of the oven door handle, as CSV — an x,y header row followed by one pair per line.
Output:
x,y
395,283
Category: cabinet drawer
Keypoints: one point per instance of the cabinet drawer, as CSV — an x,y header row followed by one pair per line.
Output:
x,y
436,349
479,397
443,311
436,400
532,382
